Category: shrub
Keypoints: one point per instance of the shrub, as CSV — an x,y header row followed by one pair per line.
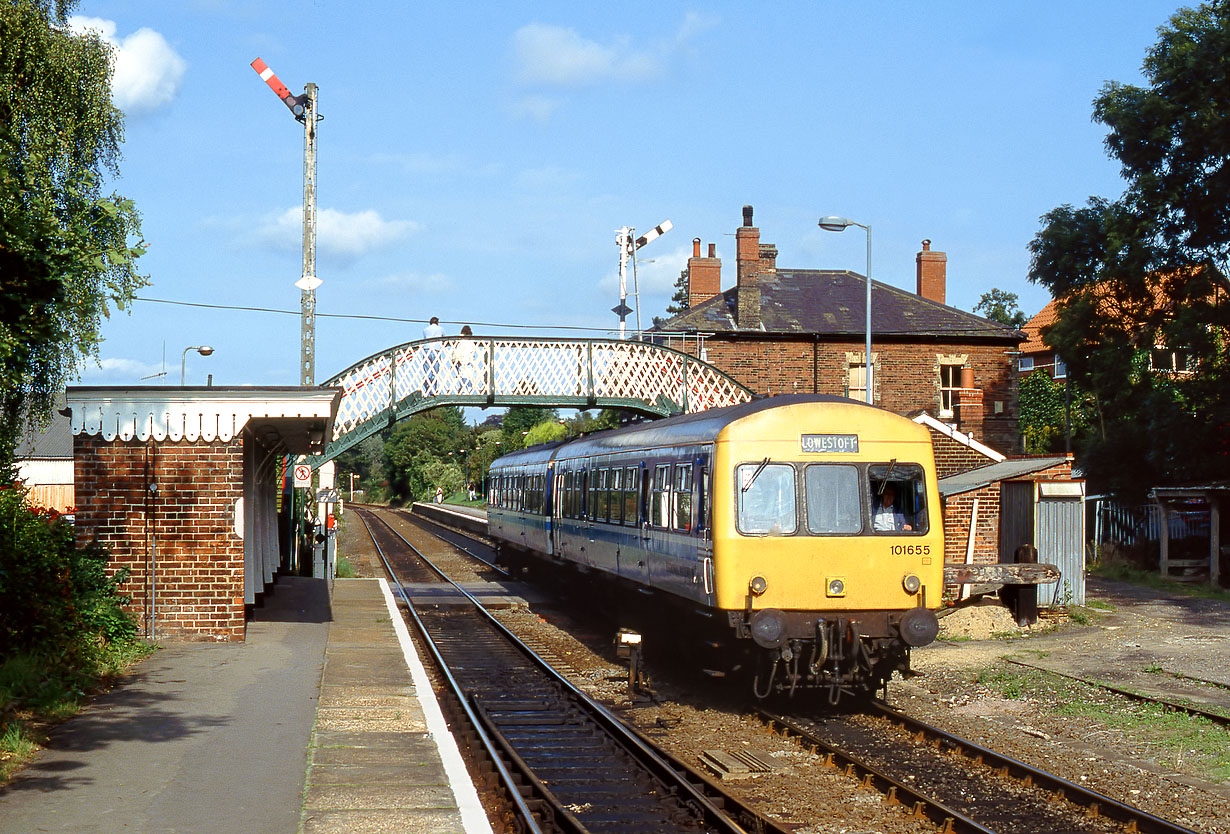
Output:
x,y
56,599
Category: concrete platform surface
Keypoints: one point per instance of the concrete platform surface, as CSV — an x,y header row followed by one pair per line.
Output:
x,y
223,738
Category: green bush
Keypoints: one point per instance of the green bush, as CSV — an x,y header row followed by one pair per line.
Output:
x,y
56,600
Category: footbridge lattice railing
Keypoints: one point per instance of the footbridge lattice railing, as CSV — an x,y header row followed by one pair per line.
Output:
x,y
567,373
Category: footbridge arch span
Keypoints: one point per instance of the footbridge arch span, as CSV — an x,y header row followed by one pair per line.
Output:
x,y
565,373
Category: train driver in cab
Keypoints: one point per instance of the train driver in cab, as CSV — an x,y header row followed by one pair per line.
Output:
x,y
888,516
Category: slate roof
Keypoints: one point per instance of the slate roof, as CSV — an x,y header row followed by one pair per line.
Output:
x,y
52,442
830,303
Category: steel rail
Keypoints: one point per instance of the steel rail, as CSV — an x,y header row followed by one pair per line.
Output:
x,y
423,521
649,758
1097,804
1188,709
506,777
948,819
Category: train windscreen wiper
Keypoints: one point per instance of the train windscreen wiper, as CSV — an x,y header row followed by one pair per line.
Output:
x,y
892,464
756,474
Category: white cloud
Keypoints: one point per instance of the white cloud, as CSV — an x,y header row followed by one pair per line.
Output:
x,y
115,370
538,108
337,232
656,274
148,70
414,282
559,56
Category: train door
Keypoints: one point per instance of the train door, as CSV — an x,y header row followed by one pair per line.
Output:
x,y
704,577
559,504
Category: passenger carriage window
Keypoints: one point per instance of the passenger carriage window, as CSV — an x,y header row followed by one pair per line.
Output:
x,y
898,498
615,505
832,496
661,495
706,503
681,509
630,495
765,495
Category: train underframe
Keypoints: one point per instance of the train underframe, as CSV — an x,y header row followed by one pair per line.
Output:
x,y
838,655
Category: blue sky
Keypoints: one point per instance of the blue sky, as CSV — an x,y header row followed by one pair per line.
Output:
x,y
476,159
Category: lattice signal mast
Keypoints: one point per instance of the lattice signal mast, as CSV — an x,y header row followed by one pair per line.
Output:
x,y
303,108
628,249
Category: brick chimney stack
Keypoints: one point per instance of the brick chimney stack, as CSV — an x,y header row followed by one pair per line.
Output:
x,y
704,275
747,252
932,273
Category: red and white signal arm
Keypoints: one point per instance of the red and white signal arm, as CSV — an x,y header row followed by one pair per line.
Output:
x,y
303,475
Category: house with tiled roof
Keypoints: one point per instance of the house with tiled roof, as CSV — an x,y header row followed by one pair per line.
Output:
x,y
788,330
1037,355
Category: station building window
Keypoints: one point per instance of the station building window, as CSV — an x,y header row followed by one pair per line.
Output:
x,y
950,384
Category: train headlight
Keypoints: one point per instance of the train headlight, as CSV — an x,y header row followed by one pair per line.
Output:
x,y
758,585
835,588
918,627
769,628
911,583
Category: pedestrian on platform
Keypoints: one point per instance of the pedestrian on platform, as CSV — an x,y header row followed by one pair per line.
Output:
x,y
439,495
431,356
473,494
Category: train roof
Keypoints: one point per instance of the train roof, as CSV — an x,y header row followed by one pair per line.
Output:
x,y
682,430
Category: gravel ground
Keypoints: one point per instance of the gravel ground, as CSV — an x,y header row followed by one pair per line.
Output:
x,y
1142,643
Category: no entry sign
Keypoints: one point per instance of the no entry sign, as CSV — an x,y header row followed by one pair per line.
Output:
x,y
303,475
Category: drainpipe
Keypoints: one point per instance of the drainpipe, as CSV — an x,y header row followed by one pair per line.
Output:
x,y
152,488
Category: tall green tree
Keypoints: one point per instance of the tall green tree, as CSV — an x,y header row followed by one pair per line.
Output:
x,y
1001,306
518,421
1148,270
65,249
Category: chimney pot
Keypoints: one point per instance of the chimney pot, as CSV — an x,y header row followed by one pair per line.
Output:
x,y
926,244
747,215
695,247
713,250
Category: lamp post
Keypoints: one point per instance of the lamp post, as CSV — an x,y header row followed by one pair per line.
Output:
x,y
840,224
204,350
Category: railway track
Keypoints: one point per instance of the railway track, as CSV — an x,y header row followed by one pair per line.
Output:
x,y
564,762
960,786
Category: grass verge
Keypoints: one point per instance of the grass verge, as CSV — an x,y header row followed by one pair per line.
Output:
x,y
1149,579
36,695
1189,744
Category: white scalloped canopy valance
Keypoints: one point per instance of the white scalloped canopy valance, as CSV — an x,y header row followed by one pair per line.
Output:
x,y
179,417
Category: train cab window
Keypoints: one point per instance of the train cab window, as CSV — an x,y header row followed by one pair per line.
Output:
x,y
832,497
630,480
659,501
898,498
766,502
681,507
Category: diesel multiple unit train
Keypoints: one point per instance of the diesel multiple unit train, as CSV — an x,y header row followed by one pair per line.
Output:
x,y
798,537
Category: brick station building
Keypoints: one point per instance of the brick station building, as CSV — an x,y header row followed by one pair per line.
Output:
x,y
782,330
181,485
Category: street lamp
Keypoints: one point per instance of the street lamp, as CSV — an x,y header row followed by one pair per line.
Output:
x,y
204,350
840,224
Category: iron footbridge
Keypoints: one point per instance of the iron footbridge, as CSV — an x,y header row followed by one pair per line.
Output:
x,y
554,373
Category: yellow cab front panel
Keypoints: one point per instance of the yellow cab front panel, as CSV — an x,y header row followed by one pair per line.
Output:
x,y
798,493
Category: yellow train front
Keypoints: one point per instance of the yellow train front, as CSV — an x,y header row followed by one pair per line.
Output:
x,y
800,534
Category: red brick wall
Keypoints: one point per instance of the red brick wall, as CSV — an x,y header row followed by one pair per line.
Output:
x,y
952,457
200,563
957,512
906,375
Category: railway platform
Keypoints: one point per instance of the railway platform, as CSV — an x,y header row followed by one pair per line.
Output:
x,y
321,721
